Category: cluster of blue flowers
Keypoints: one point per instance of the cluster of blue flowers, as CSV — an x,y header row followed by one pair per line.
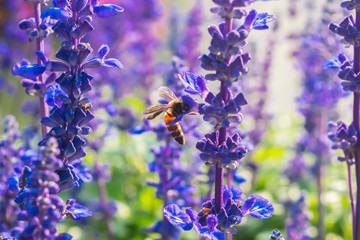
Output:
x,y
213,224
226,154
344,138
40,205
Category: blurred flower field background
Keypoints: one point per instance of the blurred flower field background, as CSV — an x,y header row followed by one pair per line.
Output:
x,y
291,97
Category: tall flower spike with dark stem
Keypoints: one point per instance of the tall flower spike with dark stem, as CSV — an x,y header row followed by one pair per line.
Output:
x,y
226,59
349,30
71,112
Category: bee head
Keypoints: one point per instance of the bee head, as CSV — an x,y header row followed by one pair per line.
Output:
x,y
185,107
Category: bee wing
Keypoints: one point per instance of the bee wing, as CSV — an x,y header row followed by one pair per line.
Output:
x,y
157,108
166,93
154,115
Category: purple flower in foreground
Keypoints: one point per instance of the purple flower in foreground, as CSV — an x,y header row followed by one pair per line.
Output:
x,y
208,223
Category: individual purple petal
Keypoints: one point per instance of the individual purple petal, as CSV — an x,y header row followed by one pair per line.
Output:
x,y
42,57
55,13
177,217
112,62
332,63
261,20
138,130
60,3
257,207
77,210
194,84
92,63
56,66
31,71
107,10
250,18
103,51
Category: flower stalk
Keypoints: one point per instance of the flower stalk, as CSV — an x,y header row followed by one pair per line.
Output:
x,y
104,202
356,122
40,48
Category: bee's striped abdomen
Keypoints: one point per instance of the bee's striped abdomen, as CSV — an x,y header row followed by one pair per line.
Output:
x,y
175,129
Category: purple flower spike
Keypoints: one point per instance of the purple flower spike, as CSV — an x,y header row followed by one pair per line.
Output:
x,y
178,217
194,84
107,10
257,207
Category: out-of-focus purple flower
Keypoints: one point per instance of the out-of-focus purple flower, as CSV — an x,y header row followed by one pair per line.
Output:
x,y
298,222
297,168
190,38
10,170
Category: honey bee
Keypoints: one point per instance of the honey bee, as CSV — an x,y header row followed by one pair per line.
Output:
x,y
22,180
205,211
85,107
173,110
